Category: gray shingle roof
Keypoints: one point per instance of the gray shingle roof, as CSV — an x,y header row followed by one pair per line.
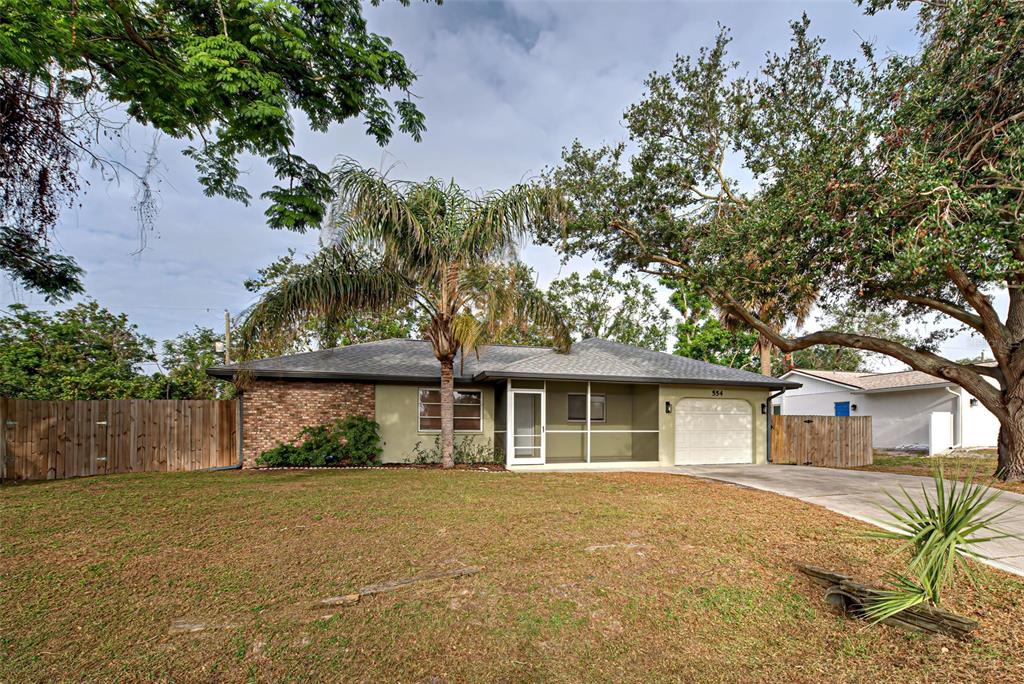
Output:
x,y
413,360
877,381
595,358
387,359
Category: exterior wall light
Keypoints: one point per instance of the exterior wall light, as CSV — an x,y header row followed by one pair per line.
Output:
x,y
853,407
764,409
974,402
668,407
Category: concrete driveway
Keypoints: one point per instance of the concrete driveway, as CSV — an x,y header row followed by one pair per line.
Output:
x,y
857,494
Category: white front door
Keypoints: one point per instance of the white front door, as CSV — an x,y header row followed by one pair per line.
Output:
x,y
526,427
714,431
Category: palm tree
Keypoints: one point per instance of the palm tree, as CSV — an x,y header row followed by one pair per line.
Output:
x,y
431,245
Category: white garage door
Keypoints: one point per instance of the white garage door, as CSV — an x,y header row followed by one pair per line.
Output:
x,y
714,431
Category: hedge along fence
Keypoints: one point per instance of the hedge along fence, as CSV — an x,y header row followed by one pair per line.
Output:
x,y
51,440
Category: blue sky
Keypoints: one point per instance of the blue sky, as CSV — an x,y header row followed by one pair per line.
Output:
x,y
504,85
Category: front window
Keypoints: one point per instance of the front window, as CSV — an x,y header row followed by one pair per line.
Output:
x,y
468,410
578,408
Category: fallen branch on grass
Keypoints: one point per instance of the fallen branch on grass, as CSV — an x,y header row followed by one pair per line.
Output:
x,y
602,547
184,626
349,599
846,596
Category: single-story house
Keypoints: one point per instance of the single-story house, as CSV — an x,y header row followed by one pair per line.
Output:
x,y
602,403
908,409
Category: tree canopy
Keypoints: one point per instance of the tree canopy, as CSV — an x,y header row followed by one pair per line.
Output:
x,y
892,185
85,352
623,309
702,334
88,352
183,362
336,328
230,76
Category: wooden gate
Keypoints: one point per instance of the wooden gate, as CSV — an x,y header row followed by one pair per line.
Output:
x,y
829,441
50,440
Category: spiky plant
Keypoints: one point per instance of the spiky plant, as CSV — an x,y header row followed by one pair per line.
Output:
x,y
942,534
432,245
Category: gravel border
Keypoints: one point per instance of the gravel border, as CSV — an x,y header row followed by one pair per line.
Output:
x,y
399,466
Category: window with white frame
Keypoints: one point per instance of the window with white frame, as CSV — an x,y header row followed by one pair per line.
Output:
x,y
468,410
577,411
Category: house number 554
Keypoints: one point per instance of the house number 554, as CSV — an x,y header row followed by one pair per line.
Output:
x,y
718,393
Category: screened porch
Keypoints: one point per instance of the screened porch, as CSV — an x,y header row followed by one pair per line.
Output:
x,y
560,422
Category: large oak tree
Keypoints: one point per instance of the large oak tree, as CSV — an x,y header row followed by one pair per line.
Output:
x,y
891,185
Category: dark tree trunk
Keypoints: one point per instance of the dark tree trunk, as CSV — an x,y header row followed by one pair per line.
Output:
x,y
1011,436
447,413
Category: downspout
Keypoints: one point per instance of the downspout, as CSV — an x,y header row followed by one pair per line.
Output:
x,y
959,416
768,429
237,466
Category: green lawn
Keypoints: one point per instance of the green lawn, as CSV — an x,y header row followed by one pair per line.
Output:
x,y
693,581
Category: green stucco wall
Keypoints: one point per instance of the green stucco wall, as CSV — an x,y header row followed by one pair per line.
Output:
x,y
397,412
673,393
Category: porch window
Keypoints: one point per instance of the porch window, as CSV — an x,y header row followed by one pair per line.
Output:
x,y
623,426
468,410
577,410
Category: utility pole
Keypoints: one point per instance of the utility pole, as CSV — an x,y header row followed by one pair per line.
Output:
x,y
227,337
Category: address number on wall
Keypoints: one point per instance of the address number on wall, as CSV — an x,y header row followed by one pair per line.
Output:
x,y
718,393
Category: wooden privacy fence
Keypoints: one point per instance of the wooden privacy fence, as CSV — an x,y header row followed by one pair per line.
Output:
x,y
50,440
829,441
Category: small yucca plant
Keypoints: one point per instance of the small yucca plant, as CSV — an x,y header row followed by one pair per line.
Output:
x,y
942,534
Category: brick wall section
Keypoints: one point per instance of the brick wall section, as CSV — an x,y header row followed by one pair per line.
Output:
x,y
273,411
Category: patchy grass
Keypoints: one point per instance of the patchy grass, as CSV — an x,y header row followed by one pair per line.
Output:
x,y
688,580
981,463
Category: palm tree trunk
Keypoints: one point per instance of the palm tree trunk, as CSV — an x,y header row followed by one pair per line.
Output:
x,y
447,413
766,355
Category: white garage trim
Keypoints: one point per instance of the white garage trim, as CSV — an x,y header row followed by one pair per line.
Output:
x,y
714,431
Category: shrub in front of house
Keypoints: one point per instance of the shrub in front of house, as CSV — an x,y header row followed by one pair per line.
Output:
x,y
467,451
354,441
362,441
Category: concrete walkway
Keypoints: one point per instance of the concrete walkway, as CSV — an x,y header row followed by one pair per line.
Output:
x,y
856,494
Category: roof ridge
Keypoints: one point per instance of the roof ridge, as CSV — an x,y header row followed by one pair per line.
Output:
x,y
648,352
828,370
283,356
482,346
910,370
830,376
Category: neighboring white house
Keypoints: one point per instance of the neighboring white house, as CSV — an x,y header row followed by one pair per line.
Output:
x,y
909,409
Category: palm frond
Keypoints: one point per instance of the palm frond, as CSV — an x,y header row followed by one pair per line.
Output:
x,y
943,533
333,283
890,602
500,221
538,308
502,303
369,207
469,332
